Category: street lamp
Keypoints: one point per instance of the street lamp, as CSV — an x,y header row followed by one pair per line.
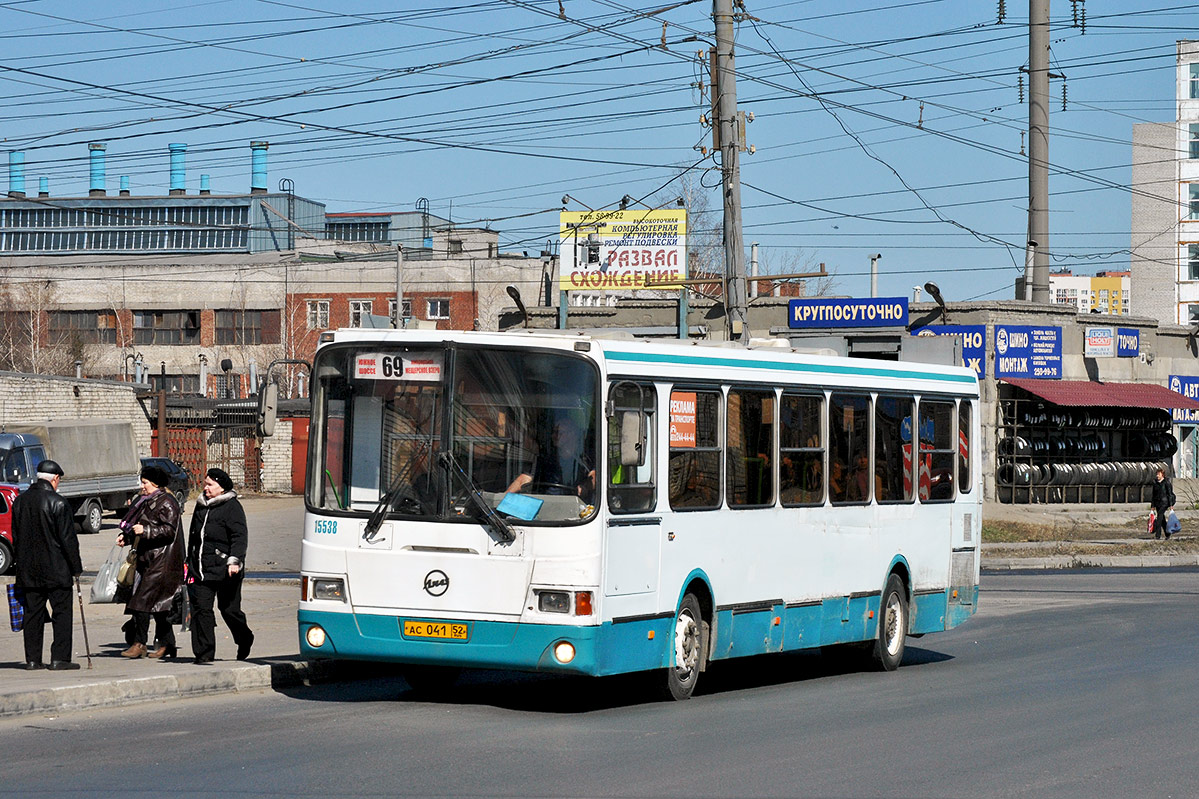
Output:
x,y
935,293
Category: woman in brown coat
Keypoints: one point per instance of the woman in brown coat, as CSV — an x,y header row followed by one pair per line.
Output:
x,y
157,520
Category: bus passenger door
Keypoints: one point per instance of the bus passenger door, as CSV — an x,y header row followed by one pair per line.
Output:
x,y
632,550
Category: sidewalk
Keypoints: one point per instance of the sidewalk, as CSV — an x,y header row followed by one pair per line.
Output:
x,y
113,680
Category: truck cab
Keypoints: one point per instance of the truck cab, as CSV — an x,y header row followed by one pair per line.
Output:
x,y
20,453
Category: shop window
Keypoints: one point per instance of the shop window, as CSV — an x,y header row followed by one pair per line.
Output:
x,y
801,450
694,449
632,487
849,449
937,451
893,417
749,478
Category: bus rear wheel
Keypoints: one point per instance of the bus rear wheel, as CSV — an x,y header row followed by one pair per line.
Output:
x,y
892,626
687,650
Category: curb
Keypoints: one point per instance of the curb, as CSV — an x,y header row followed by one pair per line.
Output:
x,y
130,691
1091,562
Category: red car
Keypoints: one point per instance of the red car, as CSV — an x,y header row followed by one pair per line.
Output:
x,y
8,493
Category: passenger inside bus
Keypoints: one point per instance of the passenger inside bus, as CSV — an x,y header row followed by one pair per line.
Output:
x,y
564,464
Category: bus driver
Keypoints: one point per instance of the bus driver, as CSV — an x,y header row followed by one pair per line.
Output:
x,y
562,467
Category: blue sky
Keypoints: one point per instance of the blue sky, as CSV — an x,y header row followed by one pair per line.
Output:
x,y
890,128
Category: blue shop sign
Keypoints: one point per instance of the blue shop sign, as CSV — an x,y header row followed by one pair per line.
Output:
x,y
1028,351
848,312
1187,386
1128,342
974,343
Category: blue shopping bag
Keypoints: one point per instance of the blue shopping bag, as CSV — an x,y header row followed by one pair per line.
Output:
x,y
16,607
1172,524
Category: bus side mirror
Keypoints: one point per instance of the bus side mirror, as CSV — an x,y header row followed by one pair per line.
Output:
x,y
268,409
632,438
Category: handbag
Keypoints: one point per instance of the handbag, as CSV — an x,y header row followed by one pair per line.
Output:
x,y
128,571
16,607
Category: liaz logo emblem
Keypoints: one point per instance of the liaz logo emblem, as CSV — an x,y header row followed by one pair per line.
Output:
x,y
436,583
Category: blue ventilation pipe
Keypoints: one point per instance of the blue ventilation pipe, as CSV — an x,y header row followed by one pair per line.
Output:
x,y
16,173
178,168
124,185
98,182
258,167
204,188
43,187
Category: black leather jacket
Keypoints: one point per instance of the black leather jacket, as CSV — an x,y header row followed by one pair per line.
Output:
x,y
45,547
1163,494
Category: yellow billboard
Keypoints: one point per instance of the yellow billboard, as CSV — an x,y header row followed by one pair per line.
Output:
x,y
621,250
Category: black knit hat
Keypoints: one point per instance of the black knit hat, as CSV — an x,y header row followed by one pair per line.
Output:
x,y
156,475
222,478
49,467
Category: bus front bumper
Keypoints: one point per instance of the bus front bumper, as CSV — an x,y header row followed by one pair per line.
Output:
x,y
599,649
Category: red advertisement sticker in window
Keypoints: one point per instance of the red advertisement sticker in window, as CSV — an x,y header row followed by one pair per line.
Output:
x,y
682,419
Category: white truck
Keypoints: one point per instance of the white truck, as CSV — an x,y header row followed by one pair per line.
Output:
x,y
99,457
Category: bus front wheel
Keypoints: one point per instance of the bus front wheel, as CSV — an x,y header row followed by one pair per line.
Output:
x,y
892,626
687,649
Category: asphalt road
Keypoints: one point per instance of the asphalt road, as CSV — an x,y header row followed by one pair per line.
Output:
x,y
1065,684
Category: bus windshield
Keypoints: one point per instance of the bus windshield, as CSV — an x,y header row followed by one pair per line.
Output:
x,y
433,431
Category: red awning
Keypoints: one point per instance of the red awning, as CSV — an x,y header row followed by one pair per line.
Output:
x,y
1089,392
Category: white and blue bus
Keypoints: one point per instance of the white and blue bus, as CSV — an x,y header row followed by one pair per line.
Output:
x,y
596,505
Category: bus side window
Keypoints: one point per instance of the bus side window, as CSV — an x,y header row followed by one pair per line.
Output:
x,y
749,478
801,450
632,488
694,480
964,442
937,451
849,479
893,417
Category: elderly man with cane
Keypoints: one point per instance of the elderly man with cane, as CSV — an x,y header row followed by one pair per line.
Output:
x,y
46,552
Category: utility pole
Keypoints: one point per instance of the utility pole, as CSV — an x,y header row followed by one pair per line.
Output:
x,y
726,107
1038,146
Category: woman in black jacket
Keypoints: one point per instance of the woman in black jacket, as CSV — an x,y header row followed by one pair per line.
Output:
x,y
1162,500
216,554
155,523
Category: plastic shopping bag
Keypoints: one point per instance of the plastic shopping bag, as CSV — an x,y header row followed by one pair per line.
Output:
x,y
104,588
1172,524
1152,520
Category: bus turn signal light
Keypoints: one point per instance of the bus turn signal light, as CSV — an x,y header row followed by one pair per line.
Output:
x,y
583,603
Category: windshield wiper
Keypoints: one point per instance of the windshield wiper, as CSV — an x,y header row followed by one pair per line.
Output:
x,y
493,520
401,481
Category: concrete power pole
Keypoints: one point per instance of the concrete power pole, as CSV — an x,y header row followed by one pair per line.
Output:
x,y
1038,146
726,93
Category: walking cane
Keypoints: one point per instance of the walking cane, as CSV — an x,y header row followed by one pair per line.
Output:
x,y
83,621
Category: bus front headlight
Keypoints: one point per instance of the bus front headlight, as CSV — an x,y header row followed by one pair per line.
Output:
x,y
325,588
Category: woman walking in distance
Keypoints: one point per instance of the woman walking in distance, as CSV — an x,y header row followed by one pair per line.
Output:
x,y
156,532
216,552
